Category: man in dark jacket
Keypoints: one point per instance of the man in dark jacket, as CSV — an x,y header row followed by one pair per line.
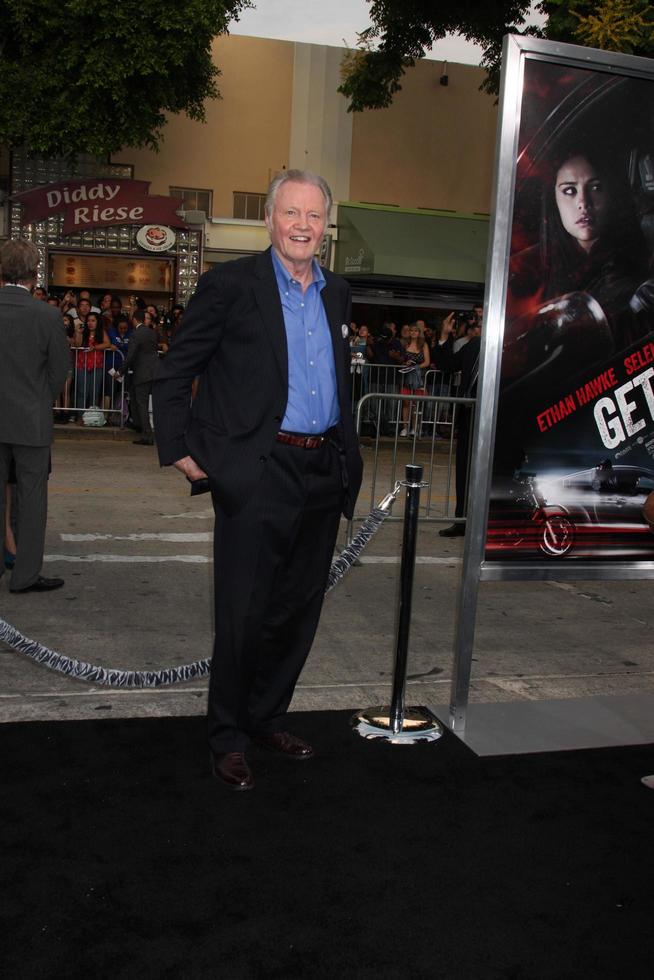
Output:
x,y
34,364
271,432
142,358
465,361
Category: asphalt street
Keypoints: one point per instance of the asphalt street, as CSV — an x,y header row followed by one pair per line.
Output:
x,y
135,551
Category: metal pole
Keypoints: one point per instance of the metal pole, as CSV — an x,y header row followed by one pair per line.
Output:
x,y
397,723
411,510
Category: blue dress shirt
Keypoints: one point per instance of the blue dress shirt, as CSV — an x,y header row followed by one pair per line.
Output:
x,y
312,395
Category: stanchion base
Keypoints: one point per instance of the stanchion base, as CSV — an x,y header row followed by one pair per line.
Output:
x,y
420,725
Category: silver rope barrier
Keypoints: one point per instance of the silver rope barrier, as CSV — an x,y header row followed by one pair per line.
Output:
x,y
115,677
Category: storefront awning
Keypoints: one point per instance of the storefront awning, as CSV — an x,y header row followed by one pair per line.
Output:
x,y
431,245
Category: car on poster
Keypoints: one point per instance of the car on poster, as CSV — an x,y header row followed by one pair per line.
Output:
x,y
593,512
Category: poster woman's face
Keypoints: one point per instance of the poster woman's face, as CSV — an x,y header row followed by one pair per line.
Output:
x,y
582,200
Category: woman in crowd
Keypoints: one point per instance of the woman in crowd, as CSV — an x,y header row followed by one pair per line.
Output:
x,y
62,406
93,340
359,340
416,356
69,302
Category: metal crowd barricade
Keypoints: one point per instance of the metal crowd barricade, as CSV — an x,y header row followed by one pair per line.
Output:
x,y
97,388
386,455
386,379
438,415
374,379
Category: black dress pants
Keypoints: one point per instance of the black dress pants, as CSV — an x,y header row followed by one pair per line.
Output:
x,y
464,433
271,562
141,414
32,468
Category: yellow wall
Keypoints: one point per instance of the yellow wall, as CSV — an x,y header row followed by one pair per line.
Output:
x,y
247,134
432,148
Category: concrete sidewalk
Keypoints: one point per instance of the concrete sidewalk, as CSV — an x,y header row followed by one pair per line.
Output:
x,y
135,551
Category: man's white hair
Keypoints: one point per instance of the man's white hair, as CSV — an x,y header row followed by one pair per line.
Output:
x,y
298,177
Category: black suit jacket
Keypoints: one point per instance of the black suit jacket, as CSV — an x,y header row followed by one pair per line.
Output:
x,y
465,360
233,335
142,354
34,363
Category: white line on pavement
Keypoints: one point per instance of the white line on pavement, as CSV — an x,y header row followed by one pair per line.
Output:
x,y
200,515
189,536
133,559
395,560
97,692
206,560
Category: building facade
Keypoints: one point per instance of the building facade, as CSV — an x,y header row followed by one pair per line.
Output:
x,y
412,183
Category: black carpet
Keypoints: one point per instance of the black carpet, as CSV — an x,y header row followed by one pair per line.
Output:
x,y
121,857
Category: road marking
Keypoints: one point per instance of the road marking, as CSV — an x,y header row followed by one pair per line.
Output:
x,y
206,560
190,536
98,691
133,559
196,515
396,559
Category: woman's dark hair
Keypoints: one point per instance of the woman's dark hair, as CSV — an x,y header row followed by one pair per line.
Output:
x,y
98,333
621,244
69,325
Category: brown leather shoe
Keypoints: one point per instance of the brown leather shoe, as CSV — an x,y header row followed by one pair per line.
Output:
x,y
285,743
232,769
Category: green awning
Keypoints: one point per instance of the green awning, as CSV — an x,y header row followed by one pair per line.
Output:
x,y
431,245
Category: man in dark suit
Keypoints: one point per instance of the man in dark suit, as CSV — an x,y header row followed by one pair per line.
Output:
x,y
466,361
271,430
34,364
141,359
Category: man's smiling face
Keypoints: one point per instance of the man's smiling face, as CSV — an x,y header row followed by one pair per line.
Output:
x,y
297,223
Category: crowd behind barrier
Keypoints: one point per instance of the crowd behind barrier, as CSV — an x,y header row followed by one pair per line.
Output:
x,y
409,394
388,455
99,330
398,381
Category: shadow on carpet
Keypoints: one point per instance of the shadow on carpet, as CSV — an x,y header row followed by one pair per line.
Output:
x,y
122,857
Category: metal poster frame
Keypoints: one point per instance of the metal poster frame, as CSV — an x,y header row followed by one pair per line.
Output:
x,y
475,568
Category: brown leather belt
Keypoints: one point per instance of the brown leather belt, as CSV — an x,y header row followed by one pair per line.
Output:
x,y
302,442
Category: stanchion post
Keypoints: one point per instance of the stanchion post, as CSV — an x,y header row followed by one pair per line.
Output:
x,y
397,723
409,539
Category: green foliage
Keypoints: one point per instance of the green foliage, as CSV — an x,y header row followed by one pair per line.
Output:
x,y
403,30
615,25
95,75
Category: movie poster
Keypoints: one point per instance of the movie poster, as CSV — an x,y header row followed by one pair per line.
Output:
x,y
574,443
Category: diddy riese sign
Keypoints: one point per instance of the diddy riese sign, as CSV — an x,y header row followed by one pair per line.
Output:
x,y
99,201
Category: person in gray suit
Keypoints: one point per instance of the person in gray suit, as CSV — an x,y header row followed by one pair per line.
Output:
x,y
34,364
142,357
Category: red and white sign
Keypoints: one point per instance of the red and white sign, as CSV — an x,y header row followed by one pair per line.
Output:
x,y
97,202
155,238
